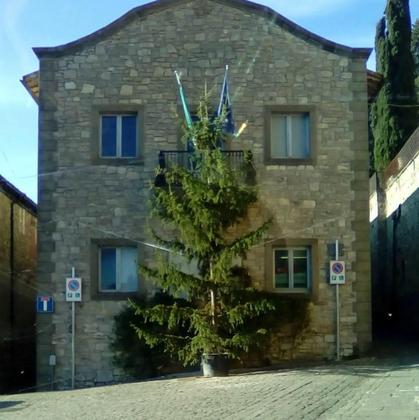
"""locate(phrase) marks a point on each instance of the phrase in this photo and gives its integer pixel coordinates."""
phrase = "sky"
(43, 23)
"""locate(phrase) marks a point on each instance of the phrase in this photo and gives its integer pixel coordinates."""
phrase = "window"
(118, 269)
(118, 135)
(290, 136)
(292, 268)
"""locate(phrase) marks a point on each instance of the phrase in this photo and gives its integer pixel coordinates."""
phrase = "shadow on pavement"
(8, 404)
(387, 355)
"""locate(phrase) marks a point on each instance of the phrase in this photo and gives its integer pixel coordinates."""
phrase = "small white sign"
(337, 272)
(73, 290)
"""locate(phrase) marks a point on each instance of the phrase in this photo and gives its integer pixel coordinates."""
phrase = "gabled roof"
(246, 5)
(16, 195)
(31, 83)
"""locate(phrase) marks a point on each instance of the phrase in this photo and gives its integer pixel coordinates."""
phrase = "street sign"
(44, 304)
(337, 272)
(73, 289)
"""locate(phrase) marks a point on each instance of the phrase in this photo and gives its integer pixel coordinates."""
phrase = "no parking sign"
(337, 272)
(73, 289)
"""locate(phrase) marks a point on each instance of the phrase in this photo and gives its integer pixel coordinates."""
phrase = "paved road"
(366, 389)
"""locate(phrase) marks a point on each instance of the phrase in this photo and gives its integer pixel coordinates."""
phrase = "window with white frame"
(118, 135)
(118, 269)
(290, 136)
(292, 268)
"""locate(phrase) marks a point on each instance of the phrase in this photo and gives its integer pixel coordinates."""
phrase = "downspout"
(12, 265)
(12, 287)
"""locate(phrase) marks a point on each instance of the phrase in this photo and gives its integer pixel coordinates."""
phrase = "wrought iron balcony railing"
(238, 160)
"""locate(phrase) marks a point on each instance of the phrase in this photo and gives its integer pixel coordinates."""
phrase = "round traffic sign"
(337, 268)
(73, 285)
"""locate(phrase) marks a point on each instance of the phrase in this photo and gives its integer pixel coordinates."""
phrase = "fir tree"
(205, 205)
(394, 113)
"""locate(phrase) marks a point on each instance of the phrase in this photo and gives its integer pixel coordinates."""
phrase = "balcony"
(239, 160)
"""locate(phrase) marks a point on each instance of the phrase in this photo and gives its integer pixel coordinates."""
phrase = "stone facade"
(17, 289)
(129, 66)
(394, 218)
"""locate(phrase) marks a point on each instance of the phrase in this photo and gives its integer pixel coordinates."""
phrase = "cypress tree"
(205, 205)
(394, 114)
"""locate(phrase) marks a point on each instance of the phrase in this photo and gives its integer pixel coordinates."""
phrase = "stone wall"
(17, 294)
(394, 218)
(83, 199)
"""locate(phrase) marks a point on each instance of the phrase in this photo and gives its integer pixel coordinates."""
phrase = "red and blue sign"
(337, 267)
(44, 304)
(73, 289)
(337, 272)
(74, 285)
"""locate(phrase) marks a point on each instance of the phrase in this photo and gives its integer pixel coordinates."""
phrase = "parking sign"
(73, 289)
(337, 272)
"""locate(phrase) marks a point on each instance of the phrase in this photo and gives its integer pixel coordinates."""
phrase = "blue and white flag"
(225, 103)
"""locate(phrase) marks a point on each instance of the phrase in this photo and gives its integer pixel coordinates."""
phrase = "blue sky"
(40, 23)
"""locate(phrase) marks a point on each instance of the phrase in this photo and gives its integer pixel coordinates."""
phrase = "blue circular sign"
(73, 285)
(337, 268)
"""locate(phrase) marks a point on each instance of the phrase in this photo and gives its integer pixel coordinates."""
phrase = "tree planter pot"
(215, 364)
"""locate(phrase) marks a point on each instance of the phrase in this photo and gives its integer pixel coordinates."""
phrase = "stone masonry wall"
(17, 295)
(81, 199)
(394, 218)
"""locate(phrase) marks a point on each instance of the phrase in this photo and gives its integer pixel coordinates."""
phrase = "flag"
(225, 104)
(188, 118)
(184, 104)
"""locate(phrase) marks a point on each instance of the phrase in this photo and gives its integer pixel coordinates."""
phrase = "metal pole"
(73, 333)
(337, 308)
(212, 299)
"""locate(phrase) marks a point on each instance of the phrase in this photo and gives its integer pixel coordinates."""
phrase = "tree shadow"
(4, 405)
(363, 367)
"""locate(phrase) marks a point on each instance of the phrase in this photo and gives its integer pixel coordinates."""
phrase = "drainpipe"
(12, 287)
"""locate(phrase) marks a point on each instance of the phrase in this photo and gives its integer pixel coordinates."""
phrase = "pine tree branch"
(171, 279)
(240, 313)
(174, 245)
(239, 247)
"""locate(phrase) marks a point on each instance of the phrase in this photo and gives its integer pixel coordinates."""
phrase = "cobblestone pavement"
(366, 389)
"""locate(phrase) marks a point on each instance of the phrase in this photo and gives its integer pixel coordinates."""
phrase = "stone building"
(394, 217)
(17, 288)
(107, 106)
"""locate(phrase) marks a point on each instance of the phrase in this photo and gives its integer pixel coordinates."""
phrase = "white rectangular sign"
(73, 289)
(337, 272)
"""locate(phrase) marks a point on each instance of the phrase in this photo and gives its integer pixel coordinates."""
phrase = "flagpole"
(220, 105)
(241, 129)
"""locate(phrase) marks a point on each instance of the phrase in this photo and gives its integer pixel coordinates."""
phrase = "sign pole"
(73, 292)
(337, 308)
(73, 333)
